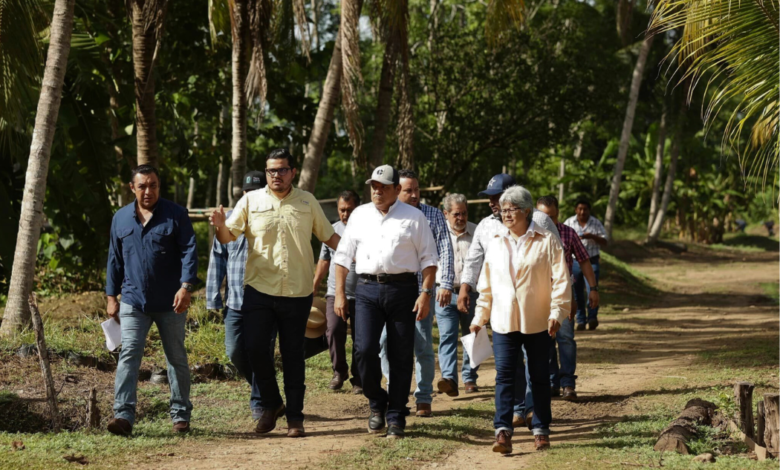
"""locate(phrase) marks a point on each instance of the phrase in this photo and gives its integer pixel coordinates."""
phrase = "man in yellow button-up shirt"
(278, 222)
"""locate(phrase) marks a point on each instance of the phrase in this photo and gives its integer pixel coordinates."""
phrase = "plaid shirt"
(441, 234)
(572, 246)
(226, 260)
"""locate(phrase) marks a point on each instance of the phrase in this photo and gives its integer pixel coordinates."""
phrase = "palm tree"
(20, 58)
(736, 44)
(625, 136)
(17, 315)
(147, 17)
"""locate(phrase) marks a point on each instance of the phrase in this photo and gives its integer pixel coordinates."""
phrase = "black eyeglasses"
(278, 171)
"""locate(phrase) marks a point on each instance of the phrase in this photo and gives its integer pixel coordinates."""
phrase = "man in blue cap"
(488, 228)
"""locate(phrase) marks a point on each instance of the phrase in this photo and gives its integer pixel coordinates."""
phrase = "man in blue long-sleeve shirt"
(153, 263)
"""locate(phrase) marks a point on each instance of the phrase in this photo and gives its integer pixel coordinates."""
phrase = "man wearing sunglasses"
(278, 222)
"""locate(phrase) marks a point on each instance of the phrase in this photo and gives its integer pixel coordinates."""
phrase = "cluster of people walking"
(392, 265)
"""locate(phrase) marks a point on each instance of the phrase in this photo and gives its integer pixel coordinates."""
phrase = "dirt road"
(700, 306)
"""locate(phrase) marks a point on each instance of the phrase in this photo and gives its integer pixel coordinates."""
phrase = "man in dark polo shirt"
(153, 263)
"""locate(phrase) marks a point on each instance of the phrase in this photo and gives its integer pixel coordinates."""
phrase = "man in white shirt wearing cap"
(390, 242)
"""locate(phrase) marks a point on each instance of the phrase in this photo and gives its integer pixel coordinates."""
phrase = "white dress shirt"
(399, 242)
(487, 230)
(593, 226)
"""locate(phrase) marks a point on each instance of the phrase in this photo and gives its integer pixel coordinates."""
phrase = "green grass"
(772, 290)
(748, 243)
(623, 286)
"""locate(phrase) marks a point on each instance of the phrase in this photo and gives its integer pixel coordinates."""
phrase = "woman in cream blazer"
(525, 293)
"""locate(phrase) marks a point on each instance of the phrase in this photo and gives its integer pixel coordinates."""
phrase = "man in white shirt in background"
(390, 242)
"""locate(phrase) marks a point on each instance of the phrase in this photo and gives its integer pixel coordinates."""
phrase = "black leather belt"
(390, 278)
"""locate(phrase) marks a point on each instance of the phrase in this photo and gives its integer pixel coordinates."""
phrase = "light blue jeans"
(563, 376)
(135, 327)
(452, 325)
(425, 361)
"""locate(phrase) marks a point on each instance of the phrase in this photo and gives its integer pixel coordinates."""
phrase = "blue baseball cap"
(498, 184)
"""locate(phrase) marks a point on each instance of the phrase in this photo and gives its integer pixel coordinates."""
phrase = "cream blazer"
(523, 300)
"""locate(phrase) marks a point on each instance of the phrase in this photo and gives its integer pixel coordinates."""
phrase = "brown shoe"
(593, 324)
(295, 429)
(471, 387)
(120, 427)
(503, 443)
(336, 382)
(357, 390)
(580, 327)
(542, 442)
(569, 394)
(424, 410)
(518, 421)
(529, 419)
(448, 386)
(181, 426)
(267, 421)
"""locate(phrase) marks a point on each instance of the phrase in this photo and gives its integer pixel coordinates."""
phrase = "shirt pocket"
(125, 239)
(261, 219)
(162, 239)
(300, 218)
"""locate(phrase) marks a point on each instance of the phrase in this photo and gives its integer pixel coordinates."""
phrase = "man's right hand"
(113, 308)
(340, 306)
(464, 302)
(217, 218)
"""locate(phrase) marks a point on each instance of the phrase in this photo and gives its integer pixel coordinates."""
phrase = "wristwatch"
(188, 287)
(427, 291)
(594, 289)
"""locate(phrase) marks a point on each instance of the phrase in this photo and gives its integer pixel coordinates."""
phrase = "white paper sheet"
(477, 346)
(113, 332)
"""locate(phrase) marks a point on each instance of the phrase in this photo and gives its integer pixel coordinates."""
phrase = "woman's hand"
(475, 328)
(553, 326)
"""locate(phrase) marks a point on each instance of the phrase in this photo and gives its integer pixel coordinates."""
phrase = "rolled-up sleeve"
(485, 299)
(115, 269)
(560, 303)
(189, 249)
(427, 252)
(347, 247)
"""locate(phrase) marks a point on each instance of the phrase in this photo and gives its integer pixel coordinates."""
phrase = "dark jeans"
(581, 289)
(524, 401)
(337, 340)
(262, 315)
(377, 305)
(235, 350)
(507, 350)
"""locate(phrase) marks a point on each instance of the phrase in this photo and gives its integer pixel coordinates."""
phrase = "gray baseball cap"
(384, 174)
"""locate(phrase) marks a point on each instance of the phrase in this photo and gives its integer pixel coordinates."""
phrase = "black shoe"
(376, 422)
(580, 327)
(395, 432)
(555, 391)
(593, 324)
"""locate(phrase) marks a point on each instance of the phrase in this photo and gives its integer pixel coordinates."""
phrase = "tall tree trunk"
(239, 63)
(659, 170)
(17, 311)
(625, 13)
(310, 168)
(145, 41)
(625, 136)
(191, 194)
(655, 231)
(561, 174)
(405, 127)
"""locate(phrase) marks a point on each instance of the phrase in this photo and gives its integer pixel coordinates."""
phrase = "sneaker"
(471, 387)
(447, 386)
(268, 417)
(518, 421)
(503, 443)
(569, 394)
(542, 442)
(120, 427)
(593, 324)
(376, 422)
(580, 327)
(336, 382)
(424, 410)
(295, 429)
(555, 391)
(181, 427)
(395, 432)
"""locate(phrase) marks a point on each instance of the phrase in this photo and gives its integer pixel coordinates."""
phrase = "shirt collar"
(468, 230)
(389, 209)
(533, 228)
(270, 193)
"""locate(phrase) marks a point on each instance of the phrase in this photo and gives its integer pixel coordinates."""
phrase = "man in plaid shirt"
(425, 367)
(573, 249)
(230, 260)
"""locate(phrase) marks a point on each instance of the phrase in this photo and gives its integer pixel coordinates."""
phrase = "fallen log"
(675, 437)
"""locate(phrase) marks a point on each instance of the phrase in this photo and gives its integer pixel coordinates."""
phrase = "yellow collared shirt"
(280, 261)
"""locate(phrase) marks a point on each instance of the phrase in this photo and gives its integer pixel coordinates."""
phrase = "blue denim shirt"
(148, 264)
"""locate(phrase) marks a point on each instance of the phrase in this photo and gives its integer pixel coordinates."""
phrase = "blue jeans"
(524, 401)
(135, 327)
(507, 350)
(235, 349)
(380, 306)
(262, 315)
(425, 361)
(452, 324)
(581, 289)
(563, 376)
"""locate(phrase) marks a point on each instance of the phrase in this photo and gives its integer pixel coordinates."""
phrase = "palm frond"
(735, 46)
(220, 20)
(503, 16)
(21, 57)
(352, 79)
(299, 7)
(260, 13)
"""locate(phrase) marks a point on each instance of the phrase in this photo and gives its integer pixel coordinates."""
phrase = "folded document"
(113, 333)
(477, 346)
